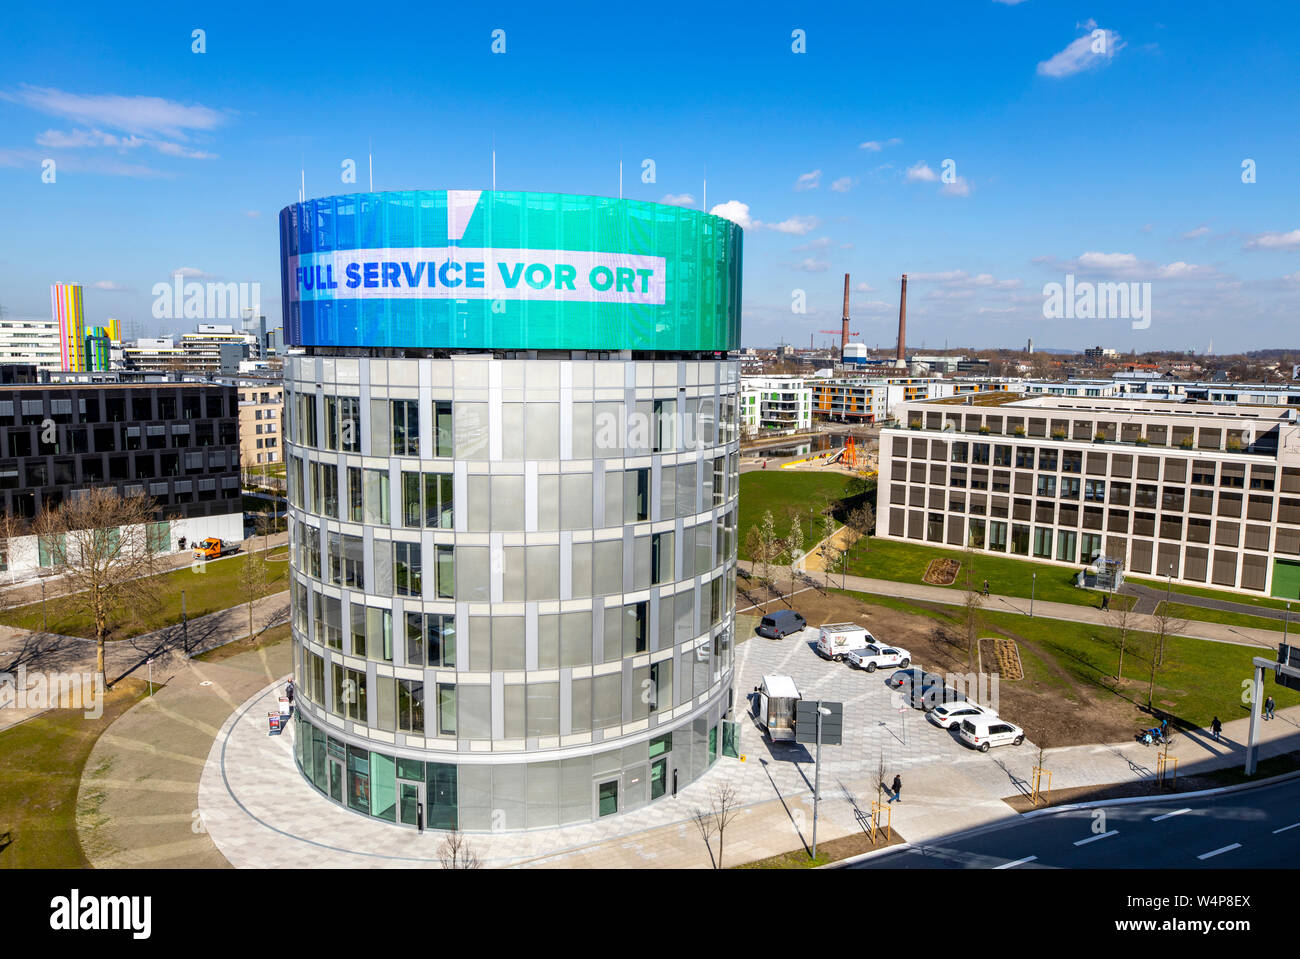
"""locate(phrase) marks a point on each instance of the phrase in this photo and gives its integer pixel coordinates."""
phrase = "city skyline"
(1077, 149)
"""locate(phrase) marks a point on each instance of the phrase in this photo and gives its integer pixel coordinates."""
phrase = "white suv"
(873, 657)
(949, 714)
(981, 732)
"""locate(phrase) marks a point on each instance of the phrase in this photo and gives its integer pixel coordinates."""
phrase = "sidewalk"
(948, 596)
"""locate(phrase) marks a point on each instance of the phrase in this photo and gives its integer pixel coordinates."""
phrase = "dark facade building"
(177, 443)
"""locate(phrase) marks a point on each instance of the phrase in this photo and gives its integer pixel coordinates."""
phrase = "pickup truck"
(212, 548)
(873, 657)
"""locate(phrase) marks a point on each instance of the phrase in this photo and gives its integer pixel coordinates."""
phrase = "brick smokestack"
(844, 335)
(902, 324)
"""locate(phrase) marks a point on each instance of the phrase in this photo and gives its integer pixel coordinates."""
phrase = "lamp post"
(1033, 588)
(45, 622)
(1286, 626)
(817, 780)
(185, 626)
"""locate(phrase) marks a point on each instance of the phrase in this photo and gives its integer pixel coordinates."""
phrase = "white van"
(981, 732)
(834, 640)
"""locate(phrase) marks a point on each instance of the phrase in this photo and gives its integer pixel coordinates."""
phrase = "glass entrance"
(336, 779)
(658, 777)
(410, 801)
(607, 798)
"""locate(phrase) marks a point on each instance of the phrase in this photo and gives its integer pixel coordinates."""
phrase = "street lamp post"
(1286, 626)
(185, 626)
(45, 621)
(1033, 588)
(817, 781)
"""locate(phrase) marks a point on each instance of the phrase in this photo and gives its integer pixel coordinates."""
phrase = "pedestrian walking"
(897, 787)
(1268, 708)
(288, 691)
(1105, 601)
(986, 587)
(1216, 727)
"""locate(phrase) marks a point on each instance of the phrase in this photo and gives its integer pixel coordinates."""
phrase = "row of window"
(498, 502)
(1150, 434)
(528, 430)
(138, 406)
(498, 643)
(463, 711)
(56, 440)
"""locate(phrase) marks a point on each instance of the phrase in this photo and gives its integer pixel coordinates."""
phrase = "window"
(440, 639)
(1046, 485)
(443, 435)
(446, 709)
(407, 569)
(446, 572)
(406, 427)
(410, 706)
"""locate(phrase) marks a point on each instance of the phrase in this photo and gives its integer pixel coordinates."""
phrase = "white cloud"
(797, 225)
(958, 187)
(191, 273)
(921, 173)
(1179, 270)
(1084, 53)
(865, 288)
(1199, 231)
(817, 243)
(110, 286)
(252, 214)
(875, 146)
(843, 185)
(735, 211)
(134, 114)
(808, 181)
(1108, 262)
(1274, 241)
(678, 199)
(812, 265)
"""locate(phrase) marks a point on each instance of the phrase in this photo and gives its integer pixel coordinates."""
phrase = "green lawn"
(906, 563)
(1184, 611)
(208, 587)
(41, 762)
(782, 490)
(1201, 678)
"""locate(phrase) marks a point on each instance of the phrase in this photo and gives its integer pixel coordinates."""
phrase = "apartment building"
(261, 406)
(1203, 495)
(775, 403)
(860, 399)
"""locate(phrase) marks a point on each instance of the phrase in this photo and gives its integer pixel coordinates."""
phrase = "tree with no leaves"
(1166, 625)
(11, 527)
(455, 852)
(971, 603)
(265, 523)
(1121, 618)
(99, 545)
(862, 520)
(254, 583)
(724, 806)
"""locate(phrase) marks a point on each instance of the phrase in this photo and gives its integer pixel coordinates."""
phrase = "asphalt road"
(1250, 829)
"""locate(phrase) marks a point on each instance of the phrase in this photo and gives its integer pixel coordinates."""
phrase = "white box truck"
(834, 640)
(776, 707)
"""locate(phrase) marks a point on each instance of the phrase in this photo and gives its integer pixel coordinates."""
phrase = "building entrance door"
(336, 779)
(410, 803)
(606, 797)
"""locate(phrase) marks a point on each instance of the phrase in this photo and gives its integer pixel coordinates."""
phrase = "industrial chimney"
(844, 336)
(902, 325)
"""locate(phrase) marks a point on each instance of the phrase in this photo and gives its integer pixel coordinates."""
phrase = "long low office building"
(1205, 494)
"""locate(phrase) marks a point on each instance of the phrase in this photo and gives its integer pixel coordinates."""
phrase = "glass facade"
(523, 615)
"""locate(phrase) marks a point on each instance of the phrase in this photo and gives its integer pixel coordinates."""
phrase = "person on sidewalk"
(897, 787)
(986, 587)
(1268, 708)
(1216, 727)
(288, 692)
(1105, 601)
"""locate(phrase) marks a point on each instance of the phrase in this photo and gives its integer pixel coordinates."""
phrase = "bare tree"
(455, 852)
(725, 806)
(971, 603)
(1121, 617)
(11, 527)
(703, 819)
(831, 556)
(1166, 625)
(99, 544)
(862, 520)
(265, 523)
(254, 583)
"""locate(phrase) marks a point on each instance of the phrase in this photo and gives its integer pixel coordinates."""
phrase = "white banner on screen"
(478, 274)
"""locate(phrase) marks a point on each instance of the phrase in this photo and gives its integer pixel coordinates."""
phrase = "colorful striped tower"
(65, 304)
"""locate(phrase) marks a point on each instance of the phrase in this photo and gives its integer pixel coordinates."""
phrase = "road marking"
(1207, 855)
(1084, 842)
(1176, 812)
(1285, 828)
(1018, 862)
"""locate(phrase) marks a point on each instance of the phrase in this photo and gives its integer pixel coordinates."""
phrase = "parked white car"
(947, 714)
(875, 656)
(985, 731)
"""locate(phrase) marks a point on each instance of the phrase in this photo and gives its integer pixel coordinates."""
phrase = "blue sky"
(1124, 165)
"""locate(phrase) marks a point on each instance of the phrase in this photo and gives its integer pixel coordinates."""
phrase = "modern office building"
(34, 342)
(775, 403)
(65, 307)
(1198, 494)
(176, 443)
(512, 450)
(261, 415)
(872, 399)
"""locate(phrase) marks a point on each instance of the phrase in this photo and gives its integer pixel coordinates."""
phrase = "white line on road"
(1215, 852)
(1084, 842)
(1018, 862)
(1285, 828)
(1176, 812)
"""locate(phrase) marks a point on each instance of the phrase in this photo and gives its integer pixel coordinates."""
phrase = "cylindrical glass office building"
(511, 439)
